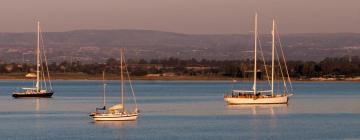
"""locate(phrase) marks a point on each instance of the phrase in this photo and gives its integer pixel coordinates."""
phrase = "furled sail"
(116, 107)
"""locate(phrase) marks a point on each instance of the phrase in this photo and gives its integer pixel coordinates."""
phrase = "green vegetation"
(173, 68)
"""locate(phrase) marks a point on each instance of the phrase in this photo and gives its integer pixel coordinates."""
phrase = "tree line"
(347, 66)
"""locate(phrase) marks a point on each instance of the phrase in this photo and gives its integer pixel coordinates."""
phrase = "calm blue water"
(185, 110)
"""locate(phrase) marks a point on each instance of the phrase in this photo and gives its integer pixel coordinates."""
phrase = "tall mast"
(273, 57)
(255, 48)
(38, 58)
(104, 96)
(122, 77)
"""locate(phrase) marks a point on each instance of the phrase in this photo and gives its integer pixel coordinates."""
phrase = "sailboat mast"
(38, 58)
(122, 76)
(104, 96)
(255, 49)
(273, 58)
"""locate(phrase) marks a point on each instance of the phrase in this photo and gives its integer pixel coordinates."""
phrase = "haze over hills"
(99, 45)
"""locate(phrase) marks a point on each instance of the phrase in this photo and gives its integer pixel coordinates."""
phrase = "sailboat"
(43, 87)
(256, 96)
(118, 111)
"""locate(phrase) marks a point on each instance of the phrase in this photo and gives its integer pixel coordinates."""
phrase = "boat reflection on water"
(115, 124)
(30, 104)
(37, 104)
(258, 116)
(258, 109)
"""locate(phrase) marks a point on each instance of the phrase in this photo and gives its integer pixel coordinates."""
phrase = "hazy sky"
(184, 16)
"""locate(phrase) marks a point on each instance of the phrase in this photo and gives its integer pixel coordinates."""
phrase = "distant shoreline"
(78, 76)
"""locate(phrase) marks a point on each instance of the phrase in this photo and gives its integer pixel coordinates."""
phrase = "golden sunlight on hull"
(115, 117)
(280, 99)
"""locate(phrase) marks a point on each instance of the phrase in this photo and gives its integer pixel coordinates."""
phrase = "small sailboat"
(43, 87)
(118, 112)
(256, 96)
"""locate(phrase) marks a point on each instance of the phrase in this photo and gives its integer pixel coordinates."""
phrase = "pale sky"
(183, 16)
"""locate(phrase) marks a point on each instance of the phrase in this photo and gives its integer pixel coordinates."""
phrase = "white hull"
(115, 117)
(262, 100)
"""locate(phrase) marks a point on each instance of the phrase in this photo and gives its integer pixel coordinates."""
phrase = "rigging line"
(122, 78)
(281, 70)
(46, 63)
(41, 64)
(41, 77)
(286, 68)
(130, 83)
(265, 66)
(43, 85)
(280, 67)
(131, 87)
(104, 89)
(278, 83)
(42, 74)
(35, 64)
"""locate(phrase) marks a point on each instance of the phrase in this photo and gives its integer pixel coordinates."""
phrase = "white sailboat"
(256, 96)
(118, 112)
(43, 87)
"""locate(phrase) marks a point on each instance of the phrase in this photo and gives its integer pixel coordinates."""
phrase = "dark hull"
(41, 95)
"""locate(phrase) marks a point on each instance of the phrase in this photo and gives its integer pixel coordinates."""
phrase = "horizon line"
(154, 30)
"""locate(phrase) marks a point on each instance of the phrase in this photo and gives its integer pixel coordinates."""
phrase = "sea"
(181, 110)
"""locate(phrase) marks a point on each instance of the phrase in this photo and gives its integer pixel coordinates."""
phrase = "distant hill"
(98, 45)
